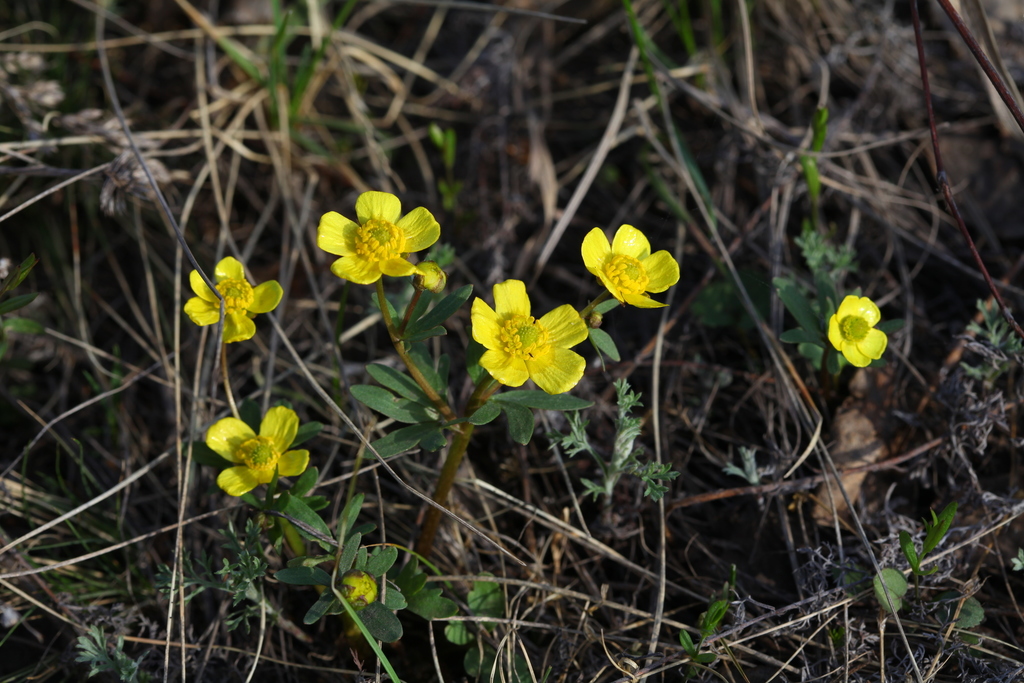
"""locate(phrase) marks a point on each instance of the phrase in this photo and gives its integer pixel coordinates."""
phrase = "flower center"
(627, 273)
(259, 454)
(522, 337)
(854, 328)
(237, 295)
(379, 240)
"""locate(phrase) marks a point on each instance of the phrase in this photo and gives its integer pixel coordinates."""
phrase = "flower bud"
(594, 319)
(359, 588)
(430, 277)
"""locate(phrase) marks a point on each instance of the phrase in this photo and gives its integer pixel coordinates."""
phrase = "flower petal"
(595, 250)
(420, 228)
(510, 299)
(236, 481)
(564, 326)
(486, 328)
(229, 268)
(631, 242)
(854, 355)
(238, 327)
(873, 345)
(266, 297)
(202, 312)
(642, 301)
(356, 269)
(397, 267)
(558, 371)
(612, 288)
(862, 307)
(507, 369)
(834, 335)
(381, 205)
(293, 463)
(200, 287)
(225, 436)
(662, 270)
(280, 425)
(336, 234)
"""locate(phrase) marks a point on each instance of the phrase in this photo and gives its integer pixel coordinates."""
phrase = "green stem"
(408, 311)
(602, 297)
(410, 365)
(227, 382)
(463, 433)
(825, 376)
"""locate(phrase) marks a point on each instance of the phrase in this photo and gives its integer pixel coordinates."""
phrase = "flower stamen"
(523, 337)
(379, 240)
(238, 295)
(259, 454)
(854, 328)
(627, 273)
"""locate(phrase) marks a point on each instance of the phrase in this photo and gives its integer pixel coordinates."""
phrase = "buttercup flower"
(851, 331)
(627, 267)
(242, 301)
(376, 244)
(257, 456)
(520, 347)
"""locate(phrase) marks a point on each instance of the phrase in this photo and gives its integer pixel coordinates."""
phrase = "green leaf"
(310, 560)
(306, 432)
(833, 362)
(383, 401)
(971, 614)
(381, 622)
(204, 455)
(797, 304)
(349, 515)
(485, 413)
(799, 335)
(20, 273)
(410, 580)
(349, 552)
(890, 326)
(896, 584)
(474, 350)
(449, 148)
(486, 599)
(403, 439)
(436, 134)
(324, 605)
(303, 576)
(433, 441)
(305, 483)
(297, 509)
(828, 300)
(938, 527)
(687, 642)
(382, 560)
(421, 357)
(444, 309)
(480, 665)
(713, 617)
(16, 302)
(422, 335)
(520, 422)
(422, 304)
(606, 306)
(457, 633)
(249, 411)
(537, 398)
(910, 552)
(820, 126)
(394, 598)
(23, 326)
(398, 382)
(603, 342)
(426, 602)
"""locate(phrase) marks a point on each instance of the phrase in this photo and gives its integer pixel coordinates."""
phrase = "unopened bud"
(430, 277)
(359, 588)
(594, 319)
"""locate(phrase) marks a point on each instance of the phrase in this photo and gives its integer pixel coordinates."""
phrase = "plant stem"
(410, 365)
(463, 433)
(603, 296)
(408, 310)
(227, 382)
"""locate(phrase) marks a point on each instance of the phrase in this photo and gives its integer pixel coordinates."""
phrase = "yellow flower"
(520, 347)
(375, 244)
(627, 267)
(851, 330)
(242, 301)
(257, 456)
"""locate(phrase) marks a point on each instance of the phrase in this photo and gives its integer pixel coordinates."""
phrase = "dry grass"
(559, 130)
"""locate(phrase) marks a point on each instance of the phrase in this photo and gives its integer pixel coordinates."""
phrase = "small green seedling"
(810, 163)
(707, 625)
(10, 304)
(935, 530)
(890, 587)
(445, 142)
